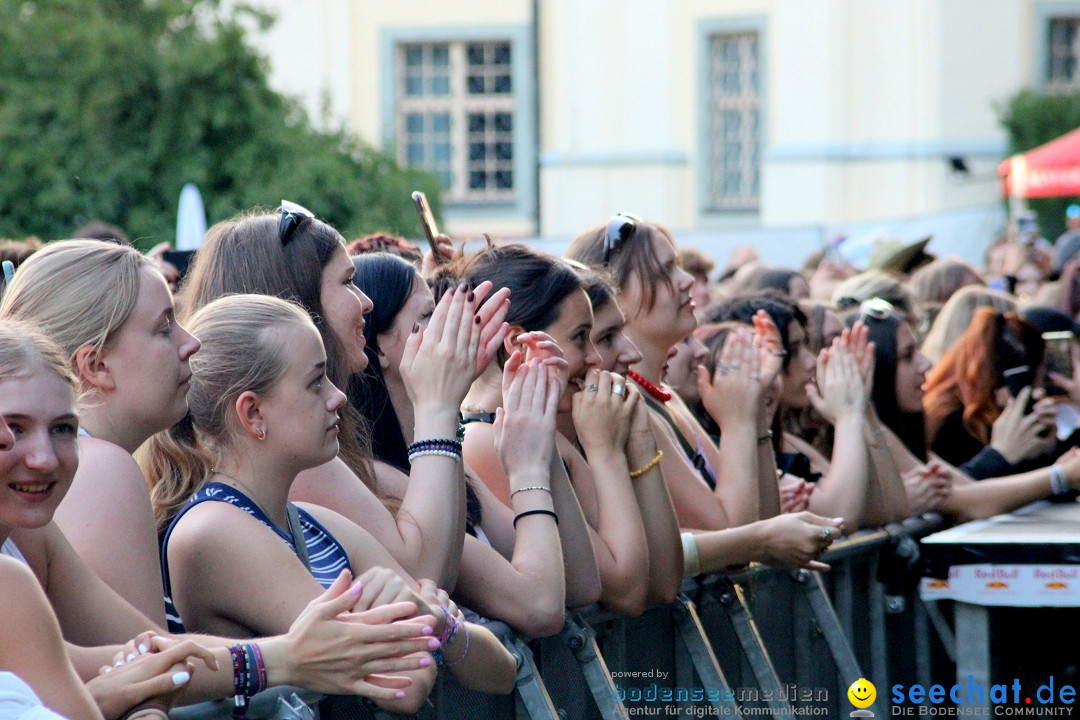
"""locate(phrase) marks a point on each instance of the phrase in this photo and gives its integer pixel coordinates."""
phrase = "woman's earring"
(262, 433)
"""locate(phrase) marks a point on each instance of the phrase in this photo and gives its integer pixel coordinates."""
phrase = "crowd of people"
(329, 465)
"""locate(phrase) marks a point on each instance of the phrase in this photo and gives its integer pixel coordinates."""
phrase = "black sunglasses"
(619, 229)
(291, 217)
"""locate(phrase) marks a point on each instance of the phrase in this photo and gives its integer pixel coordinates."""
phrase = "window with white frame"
(1063, 50)
(455, 115)
(734, 119)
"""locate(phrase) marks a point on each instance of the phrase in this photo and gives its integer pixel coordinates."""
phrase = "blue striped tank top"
(326, 557)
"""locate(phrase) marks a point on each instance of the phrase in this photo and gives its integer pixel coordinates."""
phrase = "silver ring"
(826, 534)
(755, 376)
(618, 390)
(592, 387)
(734, 366)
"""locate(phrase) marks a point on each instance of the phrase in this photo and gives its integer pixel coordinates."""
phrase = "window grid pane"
(1063, 51)
(734, 127)
(456, 116)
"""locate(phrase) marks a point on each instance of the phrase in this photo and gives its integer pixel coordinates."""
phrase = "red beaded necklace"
(658, 393)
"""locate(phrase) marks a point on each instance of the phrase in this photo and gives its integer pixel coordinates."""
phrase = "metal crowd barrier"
(761, 642)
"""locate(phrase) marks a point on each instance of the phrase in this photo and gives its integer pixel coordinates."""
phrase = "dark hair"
(599, 287)
(538, 283)
(909, 427)
(98, 230)
(388, 280)
(634, 256)
(245, 255)
(783, 310)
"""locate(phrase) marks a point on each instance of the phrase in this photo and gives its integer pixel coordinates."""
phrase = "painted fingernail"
(415, 328)
(399, 694)
(426, 630)
(107, 669)
(424, 662)
(471, 296)
(358, 587)
(477, 318)
(143, 649)
(433, 644)
(463, 287)
(118, 663)
(181, 678)
(130, 657)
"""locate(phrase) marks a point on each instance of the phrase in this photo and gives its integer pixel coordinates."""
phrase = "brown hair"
(634, 256)
(245, 255)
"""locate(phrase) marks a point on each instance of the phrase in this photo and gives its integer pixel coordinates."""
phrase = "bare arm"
(107, 483)
(31, 645)
(657, 512)
(602, 420)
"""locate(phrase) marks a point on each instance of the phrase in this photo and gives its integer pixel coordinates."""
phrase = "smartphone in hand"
(427, 221)
(1058, 358)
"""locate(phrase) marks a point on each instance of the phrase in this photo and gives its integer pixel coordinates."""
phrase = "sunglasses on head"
(619, 229)
(291, 217)
(878, 309)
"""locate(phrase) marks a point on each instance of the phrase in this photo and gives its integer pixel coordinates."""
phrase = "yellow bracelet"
(648, 466)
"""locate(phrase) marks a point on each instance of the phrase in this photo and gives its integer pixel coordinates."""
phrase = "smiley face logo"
(862, 693)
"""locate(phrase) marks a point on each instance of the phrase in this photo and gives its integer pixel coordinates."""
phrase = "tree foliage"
(1031, 119)
(107, 107)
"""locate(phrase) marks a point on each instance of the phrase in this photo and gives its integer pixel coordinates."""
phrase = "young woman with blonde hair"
(238, 557)
(38, 460)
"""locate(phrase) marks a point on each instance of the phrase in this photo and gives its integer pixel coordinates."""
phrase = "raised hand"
(525, 424)
(542, 347)
(439, 362)
(839, 389)
(770, 347)
(733, 393)
(1020, 435)
(603, 411)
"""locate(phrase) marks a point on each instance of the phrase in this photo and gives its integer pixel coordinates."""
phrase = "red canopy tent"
(1050, 170)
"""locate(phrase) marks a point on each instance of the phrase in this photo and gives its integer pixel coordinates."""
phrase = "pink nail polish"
(357, 588)
(427, 630)
(433, 644)
(399, 694)
(424, 662)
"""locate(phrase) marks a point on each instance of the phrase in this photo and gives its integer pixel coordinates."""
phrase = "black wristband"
(536, 512)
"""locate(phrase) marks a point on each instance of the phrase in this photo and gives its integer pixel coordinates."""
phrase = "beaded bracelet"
(648, 466)
(440, 453)
(536, 512)
(442, 447)
(531, 487)
(439, 443)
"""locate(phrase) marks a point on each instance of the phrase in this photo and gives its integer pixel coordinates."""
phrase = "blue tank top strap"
(326, 557)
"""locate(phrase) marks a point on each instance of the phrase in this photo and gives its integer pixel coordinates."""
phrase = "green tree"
(107, 107)
(1031, 119)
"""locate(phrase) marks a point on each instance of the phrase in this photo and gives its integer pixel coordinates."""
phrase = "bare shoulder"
(106, 473)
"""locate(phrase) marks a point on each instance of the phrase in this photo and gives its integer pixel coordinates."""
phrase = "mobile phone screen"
(1058, 358)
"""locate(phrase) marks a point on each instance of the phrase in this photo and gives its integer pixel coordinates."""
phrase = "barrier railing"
(762, 642)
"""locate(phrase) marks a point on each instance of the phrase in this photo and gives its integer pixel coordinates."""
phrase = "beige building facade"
(727, 120)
